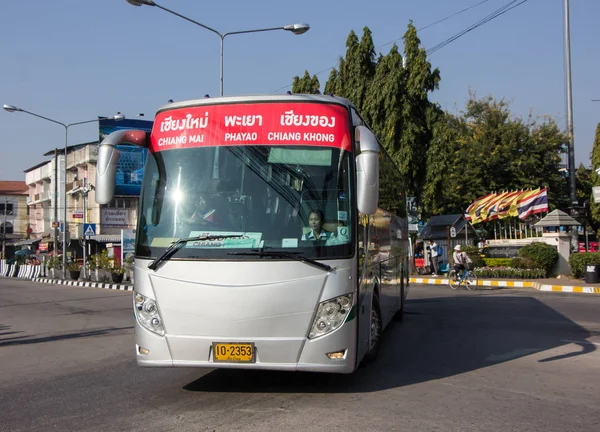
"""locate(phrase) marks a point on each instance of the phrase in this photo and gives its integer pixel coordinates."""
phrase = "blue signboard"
(132, 159)
(89, 229)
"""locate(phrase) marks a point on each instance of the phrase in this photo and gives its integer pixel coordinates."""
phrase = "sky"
(74, 60)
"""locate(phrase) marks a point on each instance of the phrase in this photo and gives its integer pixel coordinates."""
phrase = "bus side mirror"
(367, 171)
(108, 157)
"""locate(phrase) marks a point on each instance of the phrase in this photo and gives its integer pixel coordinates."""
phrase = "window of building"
(9, 208)
(123, 202)
(8, 227)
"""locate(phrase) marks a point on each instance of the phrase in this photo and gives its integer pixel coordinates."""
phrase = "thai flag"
(479, 215)
(470, 212)
(506, 203)
(536, 203)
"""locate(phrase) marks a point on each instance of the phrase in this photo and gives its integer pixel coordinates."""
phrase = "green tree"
(583, 180)
(397, 107)
(484, 150)
(446, 190)
(595, 178)
(306, 84)
(411, 142)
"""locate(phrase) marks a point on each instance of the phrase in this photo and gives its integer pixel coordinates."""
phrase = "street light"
(297, 29)
(117, 117)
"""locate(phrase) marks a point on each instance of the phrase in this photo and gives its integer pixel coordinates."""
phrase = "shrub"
(498, 262)
(523, 263)
(578, 261)
(542, 254)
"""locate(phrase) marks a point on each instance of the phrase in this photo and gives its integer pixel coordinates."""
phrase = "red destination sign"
(313, 124)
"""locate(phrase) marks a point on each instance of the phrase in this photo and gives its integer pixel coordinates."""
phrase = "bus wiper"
(179, 243)
(285, 254)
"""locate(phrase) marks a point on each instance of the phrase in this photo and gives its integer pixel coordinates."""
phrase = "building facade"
(14, 216)
(45, 185)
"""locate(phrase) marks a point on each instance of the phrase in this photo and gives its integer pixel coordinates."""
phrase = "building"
(14, 216)
(42, 195)
(45, 185)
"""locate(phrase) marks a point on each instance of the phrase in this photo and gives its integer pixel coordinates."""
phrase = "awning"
(107, 238)
(25, 242)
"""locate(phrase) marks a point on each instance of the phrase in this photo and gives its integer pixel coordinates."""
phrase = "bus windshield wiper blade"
(285, 254)
(179, 243)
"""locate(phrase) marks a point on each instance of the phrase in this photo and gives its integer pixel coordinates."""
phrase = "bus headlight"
(146, 312)
(331, 314)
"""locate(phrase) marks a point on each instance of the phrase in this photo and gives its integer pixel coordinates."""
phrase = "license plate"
(233, 352)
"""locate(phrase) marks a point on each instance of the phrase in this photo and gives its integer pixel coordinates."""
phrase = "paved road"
(506, 360)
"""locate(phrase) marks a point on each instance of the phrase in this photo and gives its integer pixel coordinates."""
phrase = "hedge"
(498, 262)
(542, 254)
(578, 261)
(510, 273)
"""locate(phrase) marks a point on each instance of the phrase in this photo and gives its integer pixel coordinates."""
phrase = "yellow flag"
(514, 209)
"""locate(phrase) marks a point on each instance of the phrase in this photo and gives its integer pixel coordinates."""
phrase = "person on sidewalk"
(433, 249)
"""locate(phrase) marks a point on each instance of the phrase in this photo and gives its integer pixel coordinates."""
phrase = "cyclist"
(461, 259)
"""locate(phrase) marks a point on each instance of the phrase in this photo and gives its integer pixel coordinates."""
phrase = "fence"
(23, 271)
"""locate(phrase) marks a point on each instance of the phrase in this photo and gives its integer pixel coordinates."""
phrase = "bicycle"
(468, 277)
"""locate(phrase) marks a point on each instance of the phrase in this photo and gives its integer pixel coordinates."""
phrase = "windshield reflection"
(294, 198)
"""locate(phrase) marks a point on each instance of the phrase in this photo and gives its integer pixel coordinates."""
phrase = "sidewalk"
(553, 285)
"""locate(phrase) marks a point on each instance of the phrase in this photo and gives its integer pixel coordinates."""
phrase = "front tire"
(399, 315)
(471, 281)
(376, 324)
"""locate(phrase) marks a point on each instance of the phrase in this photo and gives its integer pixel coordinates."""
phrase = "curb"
(569, 289)
(514, 284)
(120, 287)
(482, 283)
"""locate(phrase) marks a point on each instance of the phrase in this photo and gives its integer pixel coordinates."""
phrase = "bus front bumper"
(287, 354)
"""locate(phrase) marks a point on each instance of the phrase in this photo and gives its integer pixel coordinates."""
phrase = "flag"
(507, 203)
(470, 212)
(490, 208)
(477, 213)
(536, 203)
(495, 211)
(513, 210)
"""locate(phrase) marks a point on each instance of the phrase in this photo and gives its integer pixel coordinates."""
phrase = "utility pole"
(572, 177)
(4, 228)
(572, 185)
(54, 227)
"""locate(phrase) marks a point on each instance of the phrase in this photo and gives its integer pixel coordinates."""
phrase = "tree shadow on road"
(27, 340)
(440, 337)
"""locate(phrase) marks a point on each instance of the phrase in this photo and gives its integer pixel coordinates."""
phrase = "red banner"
(311, 124)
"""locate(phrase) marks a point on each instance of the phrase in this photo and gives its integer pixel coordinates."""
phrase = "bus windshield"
(292, 196)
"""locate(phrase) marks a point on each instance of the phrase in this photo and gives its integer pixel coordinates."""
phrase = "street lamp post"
(12, 108)
(297, 29)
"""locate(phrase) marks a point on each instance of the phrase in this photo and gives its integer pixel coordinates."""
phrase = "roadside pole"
(4, 228)
(54, 226)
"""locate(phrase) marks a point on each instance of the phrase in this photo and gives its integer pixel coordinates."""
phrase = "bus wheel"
(399, 315)
(376, 328)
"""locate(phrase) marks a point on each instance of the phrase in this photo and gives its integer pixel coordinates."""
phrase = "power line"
(395, 40)
(498, 12)
(440, 21)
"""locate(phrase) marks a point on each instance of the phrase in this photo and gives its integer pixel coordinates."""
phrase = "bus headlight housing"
(146, 312)
(331, 314)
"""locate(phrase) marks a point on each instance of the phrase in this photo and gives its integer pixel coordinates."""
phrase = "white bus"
(272, 234)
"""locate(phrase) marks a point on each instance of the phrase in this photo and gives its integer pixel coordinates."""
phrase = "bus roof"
(257, 98)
